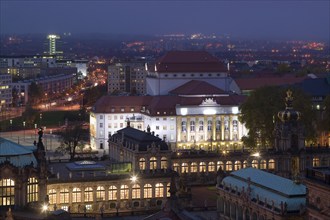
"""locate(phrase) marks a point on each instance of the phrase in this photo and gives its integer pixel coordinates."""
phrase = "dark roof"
(141, 138)
(189, 61)
(315, 87)
(255, 83)
(197, 87)
(158, 105)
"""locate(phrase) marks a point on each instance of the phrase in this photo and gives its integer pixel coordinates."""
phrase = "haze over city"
(284, 20)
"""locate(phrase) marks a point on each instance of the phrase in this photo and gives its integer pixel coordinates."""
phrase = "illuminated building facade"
(5, 91)
(127, 77)
(23, 174)
(53, 43)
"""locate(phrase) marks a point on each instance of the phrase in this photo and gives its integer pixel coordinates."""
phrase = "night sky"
(278, 19)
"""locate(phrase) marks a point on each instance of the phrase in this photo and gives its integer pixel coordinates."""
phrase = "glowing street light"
(134, 178)
(24, 130)
(44, 207)
(11, 128)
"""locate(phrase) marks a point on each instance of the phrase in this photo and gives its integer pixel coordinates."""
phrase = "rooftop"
(189, 61)
(197, 87)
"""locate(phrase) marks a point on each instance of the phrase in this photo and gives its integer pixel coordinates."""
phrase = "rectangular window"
(157, 119)
(101, 125)
(172, 127)
(121, 125)
(157, 127)
(101, 116)
(164, 127)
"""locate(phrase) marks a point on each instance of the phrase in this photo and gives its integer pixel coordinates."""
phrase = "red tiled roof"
(197, 87)
(255, 83)
(189, 61)
(157, 105)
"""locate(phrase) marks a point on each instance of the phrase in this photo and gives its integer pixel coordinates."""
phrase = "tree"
(259, 113)
(30, 114)
(325, 119)
(36, 93)
(72, 136)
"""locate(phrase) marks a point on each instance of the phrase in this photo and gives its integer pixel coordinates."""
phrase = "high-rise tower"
(53, 45)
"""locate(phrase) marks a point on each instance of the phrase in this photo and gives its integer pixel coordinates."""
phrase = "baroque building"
(23, 175)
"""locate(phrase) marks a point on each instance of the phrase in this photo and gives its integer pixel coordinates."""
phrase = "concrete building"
(127, 77)
(5, 91)
(179, 67)
(53, 45)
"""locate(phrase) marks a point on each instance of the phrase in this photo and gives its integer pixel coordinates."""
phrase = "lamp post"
(11, 128)
(40, 117)
(24, 130)
(35, 132)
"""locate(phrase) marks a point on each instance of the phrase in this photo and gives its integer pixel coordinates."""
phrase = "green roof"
(16, 154)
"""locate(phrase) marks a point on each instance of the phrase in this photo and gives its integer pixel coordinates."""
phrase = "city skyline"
(306, 20)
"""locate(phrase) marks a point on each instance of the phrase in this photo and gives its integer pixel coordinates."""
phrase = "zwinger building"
(192, 104)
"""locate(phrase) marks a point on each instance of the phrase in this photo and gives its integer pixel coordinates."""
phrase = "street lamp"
(255, 155)
(11, 128)
(35, 132)
(40, 117)
(24, 130)
(134, 178)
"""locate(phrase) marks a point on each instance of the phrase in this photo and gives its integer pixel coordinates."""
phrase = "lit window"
(147, 191)
(184, 168)
(192, 126)
(271, 164)
(124, 192)
(168, 194)
(211, 167)
(255, 164)
(184, 126)
(176, 167)
(153, 163)
(52, 196)
(229, 166)
(112, 193)
(202, 167)
(7, 192)
(76, 195)
(263, 164)
(136, 191)
(163, 163)
(220, 164)
(201, 125)
(237, 165)
(88, 194)
(100, 193)
(142, 164)
(193, 167)
(159, 190)
(64, 195)
(32, 190)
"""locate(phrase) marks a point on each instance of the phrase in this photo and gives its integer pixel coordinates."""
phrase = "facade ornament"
(209, 102)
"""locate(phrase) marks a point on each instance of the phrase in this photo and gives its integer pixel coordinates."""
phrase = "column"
(214, 131)
(222, 127)
(188, 128)
(230, 127)
(205, 128)
(178, 128)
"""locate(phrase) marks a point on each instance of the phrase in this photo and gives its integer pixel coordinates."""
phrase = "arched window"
(52, 196)
(32, 189)
(64, 195)
(100, 193)
(209, 125)
(184, 168)
(245, 163)
(147, 191)
(237, 165)
(316, 162)
(76, 195)
(124, 192)
(229, 166)
(255, 164)
(211, 167)
(201, 126)
(202, 167)
(193, 167)
(192, 125)
(136, 191)
(263, 164)
(176, 167)
(88, 194)
(183, 126)
(142, 164)
(220, 164)
(168, 186)
(271, 164)
(112, 193)
(7, 192)
(218, 125)
(159, 190)
(153, 163)
(163, 163)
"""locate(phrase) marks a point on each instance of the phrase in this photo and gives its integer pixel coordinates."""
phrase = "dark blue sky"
(278, 19)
